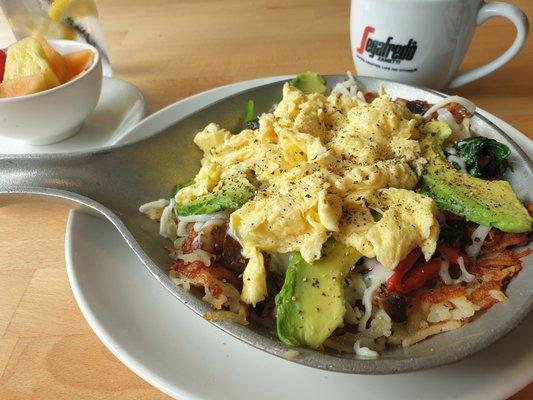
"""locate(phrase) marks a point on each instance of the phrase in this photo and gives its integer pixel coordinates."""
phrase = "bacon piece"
(187, 246)
(458, 111)
(200, 275)
(370, 96)
(211, 239)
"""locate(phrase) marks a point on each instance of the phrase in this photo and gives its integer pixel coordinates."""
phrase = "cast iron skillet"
(113, 182)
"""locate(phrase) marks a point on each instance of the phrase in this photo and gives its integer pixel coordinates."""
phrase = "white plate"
(187, 357)
(120, 107)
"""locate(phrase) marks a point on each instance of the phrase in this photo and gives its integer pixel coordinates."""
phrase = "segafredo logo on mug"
(387, 51)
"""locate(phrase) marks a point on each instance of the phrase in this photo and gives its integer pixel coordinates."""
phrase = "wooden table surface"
(170, 50)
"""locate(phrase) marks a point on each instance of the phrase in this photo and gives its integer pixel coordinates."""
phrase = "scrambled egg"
(326, 166)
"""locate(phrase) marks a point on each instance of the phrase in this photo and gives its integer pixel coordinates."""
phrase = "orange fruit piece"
(77, 62)
(56, 60)
(23, 85)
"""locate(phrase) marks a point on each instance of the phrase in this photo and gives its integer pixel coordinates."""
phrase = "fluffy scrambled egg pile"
(325, 166)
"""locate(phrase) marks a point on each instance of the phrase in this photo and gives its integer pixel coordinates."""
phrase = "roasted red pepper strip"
(395, 281)
(452, 254)
(419, 275)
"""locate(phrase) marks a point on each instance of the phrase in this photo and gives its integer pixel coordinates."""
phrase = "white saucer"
(186, 357)
(120, 107)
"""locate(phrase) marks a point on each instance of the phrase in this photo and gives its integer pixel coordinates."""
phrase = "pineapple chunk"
(27, 57)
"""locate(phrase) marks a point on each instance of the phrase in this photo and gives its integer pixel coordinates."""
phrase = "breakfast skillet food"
(347, 220)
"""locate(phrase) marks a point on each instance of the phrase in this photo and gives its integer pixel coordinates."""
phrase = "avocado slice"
(489, 203)
(310, 305)
(230, 194)
(309, 82)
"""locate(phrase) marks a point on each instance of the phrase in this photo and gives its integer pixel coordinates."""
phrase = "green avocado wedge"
(229, 194)
(310, 305)
(489, 203)
(309, 82)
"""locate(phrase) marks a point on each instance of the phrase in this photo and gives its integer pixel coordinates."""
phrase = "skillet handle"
(36, 173)
(67, 177)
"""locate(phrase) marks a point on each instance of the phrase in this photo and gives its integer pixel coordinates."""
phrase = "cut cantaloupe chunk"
(26, 58)
(77, 62)
(23, 85)
(56, 60)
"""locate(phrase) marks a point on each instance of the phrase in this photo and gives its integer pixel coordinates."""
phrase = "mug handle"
(518, 18)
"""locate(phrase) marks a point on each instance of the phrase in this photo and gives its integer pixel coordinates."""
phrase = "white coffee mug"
(422, 42)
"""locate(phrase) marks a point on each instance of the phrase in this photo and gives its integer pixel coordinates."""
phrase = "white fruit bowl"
(54, 114)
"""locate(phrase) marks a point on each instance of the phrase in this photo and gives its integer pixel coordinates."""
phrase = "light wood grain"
(170, 50)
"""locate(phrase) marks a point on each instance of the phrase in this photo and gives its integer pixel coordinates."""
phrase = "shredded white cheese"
(340, 89)
(154, 209)
(478, 238)
(167, 224)
(460, 131)
(364, 352)
(347, 88)
(459, 161)
(203, 217)
(444, 273)
(199, 221)
(465, 275)
(351, 78)
(198, 225)
(377, 275)
(201, 226)
(471, 107)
